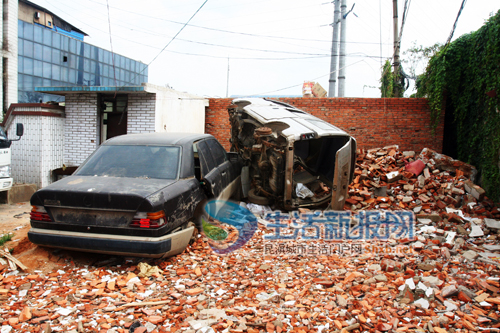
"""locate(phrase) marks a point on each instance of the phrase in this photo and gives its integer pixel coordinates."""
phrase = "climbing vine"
(465, 75)
(388, 81)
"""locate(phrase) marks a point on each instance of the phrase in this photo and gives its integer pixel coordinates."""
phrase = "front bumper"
(153, 247)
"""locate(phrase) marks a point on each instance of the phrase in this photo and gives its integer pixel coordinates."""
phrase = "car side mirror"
(19, 129)
(19, 132)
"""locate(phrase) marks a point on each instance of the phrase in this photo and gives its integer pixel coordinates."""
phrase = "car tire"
(257, 199)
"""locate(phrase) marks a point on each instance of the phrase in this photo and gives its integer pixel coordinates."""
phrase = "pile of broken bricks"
(450, 282)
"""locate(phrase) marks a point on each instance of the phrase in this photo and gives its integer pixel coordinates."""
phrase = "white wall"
(141, 113)
(177, 111)
(80, 129)
(40, 149)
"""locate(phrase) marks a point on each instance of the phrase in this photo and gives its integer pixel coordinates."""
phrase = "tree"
(417, 57)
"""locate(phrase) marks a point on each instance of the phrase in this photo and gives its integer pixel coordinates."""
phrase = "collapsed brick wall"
(374, 122)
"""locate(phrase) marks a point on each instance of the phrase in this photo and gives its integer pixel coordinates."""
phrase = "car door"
(341, 177)
(222, 162)
(210, 173)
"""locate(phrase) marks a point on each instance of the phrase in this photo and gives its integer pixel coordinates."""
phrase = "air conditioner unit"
(37, 15)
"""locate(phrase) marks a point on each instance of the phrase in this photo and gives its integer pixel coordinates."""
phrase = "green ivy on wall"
(465, 74)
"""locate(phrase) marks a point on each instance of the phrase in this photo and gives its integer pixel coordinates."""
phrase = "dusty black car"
(135, 195)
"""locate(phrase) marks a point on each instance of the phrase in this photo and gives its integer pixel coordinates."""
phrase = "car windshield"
(161, 162)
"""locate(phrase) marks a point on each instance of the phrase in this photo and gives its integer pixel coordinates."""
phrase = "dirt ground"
(14, 219)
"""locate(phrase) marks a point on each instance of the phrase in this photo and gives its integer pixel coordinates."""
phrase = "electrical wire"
(297, 85)
(173, 38)
(233, 32)
(403, 21)
(246, 58)
(111, 45)
(456, 20)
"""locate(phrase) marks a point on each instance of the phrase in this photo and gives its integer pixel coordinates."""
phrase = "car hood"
(90, 192)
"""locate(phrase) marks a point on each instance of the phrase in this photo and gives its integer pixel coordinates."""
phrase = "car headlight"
(5, 171)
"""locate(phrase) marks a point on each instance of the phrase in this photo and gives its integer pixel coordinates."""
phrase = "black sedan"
(137, 194)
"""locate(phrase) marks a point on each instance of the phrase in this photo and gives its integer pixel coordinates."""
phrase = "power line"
(297, 85)
(196, 12)
(246, 58)
(111, 45)
(232, 32)
(403, 21)
(250, 49)
(456, 20)
(224, 46)
(355, 55)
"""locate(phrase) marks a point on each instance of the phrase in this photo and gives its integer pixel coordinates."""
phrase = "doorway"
(113, 114)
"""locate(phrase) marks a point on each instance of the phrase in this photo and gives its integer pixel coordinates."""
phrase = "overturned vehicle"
(292, 159)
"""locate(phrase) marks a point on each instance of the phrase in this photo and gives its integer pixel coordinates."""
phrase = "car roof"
(157, 138)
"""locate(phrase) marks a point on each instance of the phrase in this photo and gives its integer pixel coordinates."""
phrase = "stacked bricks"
(374, 122)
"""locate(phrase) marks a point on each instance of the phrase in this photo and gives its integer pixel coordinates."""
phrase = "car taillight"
(38, 213)
(149, 220)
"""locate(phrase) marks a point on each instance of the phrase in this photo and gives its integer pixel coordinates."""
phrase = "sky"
(263, 47)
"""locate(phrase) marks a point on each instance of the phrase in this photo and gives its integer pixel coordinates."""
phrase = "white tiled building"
(56, 136)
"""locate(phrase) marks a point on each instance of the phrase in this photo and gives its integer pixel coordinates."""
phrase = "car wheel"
(257, 199)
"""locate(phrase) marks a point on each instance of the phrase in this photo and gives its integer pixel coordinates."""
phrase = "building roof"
(64, 22)
(90, 89)
(144, 88)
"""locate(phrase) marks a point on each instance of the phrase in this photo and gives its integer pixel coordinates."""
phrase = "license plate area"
(91, 217)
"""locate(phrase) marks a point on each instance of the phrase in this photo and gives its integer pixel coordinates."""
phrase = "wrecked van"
(292, 159)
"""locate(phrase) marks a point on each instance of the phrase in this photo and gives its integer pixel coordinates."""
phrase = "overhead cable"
(456, 20)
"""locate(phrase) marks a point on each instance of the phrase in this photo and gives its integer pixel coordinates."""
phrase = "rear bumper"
(154, 247)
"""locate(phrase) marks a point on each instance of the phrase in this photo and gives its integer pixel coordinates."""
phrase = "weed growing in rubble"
(464, 77)
(5, 238)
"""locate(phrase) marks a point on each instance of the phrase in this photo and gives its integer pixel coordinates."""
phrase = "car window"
(160, 162)
(206, 161)
(218, 153)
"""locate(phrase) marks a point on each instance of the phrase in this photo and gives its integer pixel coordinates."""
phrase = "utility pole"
(396, 49)
(343, 10)
(335, 49)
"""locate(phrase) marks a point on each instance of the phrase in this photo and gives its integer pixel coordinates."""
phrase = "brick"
(368, 116)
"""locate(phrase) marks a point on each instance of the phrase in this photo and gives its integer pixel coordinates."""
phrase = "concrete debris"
(492, 224)
(147, 270)
(476, 231)
(446, 280)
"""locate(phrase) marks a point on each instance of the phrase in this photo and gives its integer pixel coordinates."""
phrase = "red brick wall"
(374, 122)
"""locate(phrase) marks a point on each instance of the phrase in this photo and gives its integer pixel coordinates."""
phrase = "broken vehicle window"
(160, 162)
